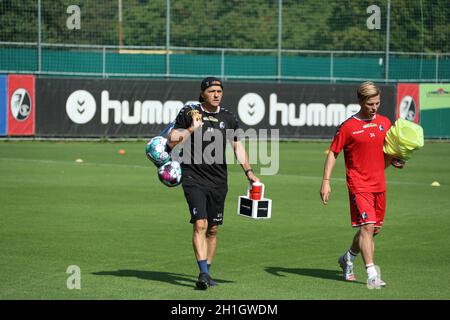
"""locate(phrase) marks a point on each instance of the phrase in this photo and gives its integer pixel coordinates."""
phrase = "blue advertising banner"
(3, 104)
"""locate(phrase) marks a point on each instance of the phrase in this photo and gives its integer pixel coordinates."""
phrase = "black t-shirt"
(203, 154)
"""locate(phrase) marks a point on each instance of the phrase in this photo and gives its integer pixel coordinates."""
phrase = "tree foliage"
(417, 26)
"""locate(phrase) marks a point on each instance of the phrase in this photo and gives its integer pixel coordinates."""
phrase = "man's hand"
(197, 121)
(325, 191)
(398, 163)
(251, 177)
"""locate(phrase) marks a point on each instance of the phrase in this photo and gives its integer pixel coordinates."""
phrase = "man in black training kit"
(205, 170)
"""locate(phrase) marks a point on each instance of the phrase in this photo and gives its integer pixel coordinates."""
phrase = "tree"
(18, 20)
(251, 24)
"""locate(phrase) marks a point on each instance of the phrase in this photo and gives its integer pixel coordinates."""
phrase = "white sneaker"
(347, 268)
(374, 283)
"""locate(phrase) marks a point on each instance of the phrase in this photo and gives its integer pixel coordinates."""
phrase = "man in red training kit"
(362, 139)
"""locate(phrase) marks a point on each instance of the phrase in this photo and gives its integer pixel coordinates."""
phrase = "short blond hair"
(367, 90)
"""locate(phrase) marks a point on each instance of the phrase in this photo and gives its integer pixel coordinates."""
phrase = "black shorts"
(206, 203)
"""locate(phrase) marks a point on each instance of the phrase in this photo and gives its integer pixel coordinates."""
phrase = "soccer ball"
(170, 173)
(156, 151)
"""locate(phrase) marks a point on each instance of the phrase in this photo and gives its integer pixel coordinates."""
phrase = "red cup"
(256, 190)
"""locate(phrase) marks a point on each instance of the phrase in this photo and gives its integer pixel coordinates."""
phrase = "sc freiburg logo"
(20, 104)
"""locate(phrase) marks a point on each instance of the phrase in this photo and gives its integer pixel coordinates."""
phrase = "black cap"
(209, 82)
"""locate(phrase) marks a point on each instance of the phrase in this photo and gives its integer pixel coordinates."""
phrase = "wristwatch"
(247, 171)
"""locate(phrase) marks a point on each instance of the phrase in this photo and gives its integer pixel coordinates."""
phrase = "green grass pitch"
(131, 239)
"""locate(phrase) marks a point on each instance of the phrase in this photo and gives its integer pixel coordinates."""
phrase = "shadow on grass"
(315, 273)
(168, 277)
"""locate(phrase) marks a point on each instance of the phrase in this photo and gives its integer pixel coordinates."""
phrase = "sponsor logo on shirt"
(357, 132)
(369, 125)
(210, 118)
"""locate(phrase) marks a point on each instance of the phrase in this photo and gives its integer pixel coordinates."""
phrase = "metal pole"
(120, 24)
(39, 38)
(167, 38)
(280, 30)
(331, 66)
(222, 65)
(104, 63)
(388, 31)
(421, 38)
(437, 67)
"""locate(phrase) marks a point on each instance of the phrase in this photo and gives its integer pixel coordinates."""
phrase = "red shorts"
(367, 208)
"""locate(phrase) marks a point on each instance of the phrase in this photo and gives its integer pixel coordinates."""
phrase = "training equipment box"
(256, 209)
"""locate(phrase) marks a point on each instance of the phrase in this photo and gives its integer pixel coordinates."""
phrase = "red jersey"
(362, 141)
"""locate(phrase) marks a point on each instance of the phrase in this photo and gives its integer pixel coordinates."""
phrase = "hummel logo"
(81, 107)
(80, 104)
(251, 110)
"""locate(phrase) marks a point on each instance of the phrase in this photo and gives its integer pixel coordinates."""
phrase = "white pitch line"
(73, 163)
(151, 165)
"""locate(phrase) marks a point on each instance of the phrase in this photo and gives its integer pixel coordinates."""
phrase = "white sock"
(371, 271)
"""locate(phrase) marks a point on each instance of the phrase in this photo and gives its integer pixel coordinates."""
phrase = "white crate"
(255, 209)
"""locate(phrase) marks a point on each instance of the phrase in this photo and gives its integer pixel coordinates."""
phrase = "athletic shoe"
(211, 282)
(374, 282)
(382, 283)
(203, 281)
(347, 268)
